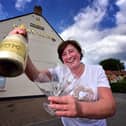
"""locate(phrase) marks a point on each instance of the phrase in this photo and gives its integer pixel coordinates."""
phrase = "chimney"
(38, 10)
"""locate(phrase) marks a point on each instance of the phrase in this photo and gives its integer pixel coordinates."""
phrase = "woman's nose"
(68, 55)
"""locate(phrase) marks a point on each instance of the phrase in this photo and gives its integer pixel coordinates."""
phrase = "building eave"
(34, 14)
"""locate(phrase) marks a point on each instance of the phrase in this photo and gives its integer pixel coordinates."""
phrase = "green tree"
(112, 64)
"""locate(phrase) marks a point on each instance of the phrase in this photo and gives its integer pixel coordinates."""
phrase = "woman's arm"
(31, 71)
(34, 74)
(71, 107)
(104, 107)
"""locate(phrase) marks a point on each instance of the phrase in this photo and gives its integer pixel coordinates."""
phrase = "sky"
(98, 25)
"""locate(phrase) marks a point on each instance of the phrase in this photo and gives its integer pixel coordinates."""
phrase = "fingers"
(63, 105)
(63, 113)
(60, 109)
(58, 100)
(19, 31)
(59, 104)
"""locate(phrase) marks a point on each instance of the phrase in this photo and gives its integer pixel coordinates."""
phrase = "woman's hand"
(69, 106)
(64, 105)
(20, 31)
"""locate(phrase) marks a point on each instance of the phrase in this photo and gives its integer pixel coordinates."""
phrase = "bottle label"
(14, 46)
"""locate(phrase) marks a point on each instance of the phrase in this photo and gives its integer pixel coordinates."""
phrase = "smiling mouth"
(72, 60)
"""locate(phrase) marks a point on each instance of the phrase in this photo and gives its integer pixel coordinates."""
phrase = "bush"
(119, 87)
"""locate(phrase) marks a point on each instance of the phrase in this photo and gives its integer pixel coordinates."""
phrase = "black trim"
(21, 97)
(34, 14)
(15, 17)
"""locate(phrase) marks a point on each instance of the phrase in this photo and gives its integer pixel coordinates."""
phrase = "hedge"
(118, 87)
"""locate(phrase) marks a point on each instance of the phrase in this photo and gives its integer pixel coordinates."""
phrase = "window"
(2, 83)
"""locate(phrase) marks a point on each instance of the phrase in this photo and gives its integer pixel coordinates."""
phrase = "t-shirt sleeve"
(102, 78)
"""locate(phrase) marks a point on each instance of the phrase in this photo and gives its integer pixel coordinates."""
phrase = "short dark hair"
(64, 44)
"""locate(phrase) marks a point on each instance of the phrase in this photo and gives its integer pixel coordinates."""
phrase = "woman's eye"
(70, 51)
(64, 54)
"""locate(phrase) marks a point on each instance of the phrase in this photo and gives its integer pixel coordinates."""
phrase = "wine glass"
(63, 87)
(56, 90)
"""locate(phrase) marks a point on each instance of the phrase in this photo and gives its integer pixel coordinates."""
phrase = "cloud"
(3, 13)
(110, 46)
(121, 15)
(20, 4)
(99, 44)
(86, 23)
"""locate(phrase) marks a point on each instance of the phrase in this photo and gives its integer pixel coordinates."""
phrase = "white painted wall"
(42, 49)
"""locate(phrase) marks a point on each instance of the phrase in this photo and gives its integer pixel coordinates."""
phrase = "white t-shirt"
(84, 88)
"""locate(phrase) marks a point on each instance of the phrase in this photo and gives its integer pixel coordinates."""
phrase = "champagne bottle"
(13, 54)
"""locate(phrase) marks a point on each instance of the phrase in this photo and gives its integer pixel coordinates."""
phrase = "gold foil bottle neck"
(22, 26)
(13, 54)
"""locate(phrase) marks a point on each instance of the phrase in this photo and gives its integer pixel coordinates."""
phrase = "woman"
(88, 99)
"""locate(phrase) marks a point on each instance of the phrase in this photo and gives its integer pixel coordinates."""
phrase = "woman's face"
(71, 56)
